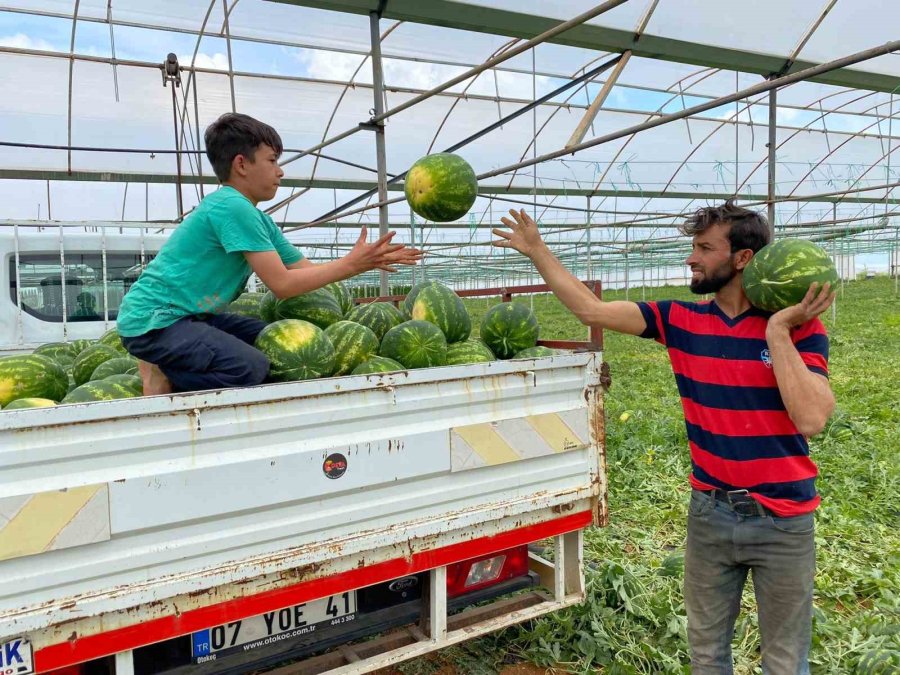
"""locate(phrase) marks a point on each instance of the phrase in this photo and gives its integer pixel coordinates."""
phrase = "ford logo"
(403, 584)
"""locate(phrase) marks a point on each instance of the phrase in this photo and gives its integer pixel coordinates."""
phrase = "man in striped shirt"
(754, 387)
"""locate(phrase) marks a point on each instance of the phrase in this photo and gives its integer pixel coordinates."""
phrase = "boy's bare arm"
(620, 316)
(286, 282)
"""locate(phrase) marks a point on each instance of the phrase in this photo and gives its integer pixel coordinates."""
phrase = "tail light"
(487, 570)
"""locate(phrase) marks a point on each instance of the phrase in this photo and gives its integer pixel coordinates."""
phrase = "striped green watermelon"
(353, 343)
(133, 382)
(445, 309)
(410, 299)
(115, 366)
(319, 307)
(508, 328)
(58, 349)
(22, 403)
(65, 360)
(80, 345)
(342, 294)
(380, 317)
(377, 364)
(88, 360)
(267, 307)
(297, 350)
(441, 187)
(536, 352)
(469, 351)
(99, 390)
(111, 339)
(246, 304)
(415, 344)
(31, 376)
(780, 273)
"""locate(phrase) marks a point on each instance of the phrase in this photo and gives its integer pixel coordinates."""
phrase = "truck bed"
(125, 515)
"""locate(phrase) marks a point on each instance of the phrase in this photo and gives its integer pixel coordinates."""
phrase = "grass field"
(634, 619)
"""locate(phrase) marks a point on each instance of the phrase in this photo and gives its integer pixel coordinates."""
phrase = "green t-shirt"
(202, 266)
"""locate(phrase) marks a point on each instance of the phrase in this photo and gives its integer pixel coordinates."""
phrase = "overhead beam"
(464, 16)
(483, 189)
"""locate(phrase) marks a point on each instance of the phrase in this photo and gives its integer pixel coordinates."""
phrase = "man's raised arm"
(523, 236)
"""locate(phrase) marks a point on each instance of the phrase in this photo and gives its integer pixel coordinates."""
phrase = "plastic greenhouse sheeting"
(305, 71)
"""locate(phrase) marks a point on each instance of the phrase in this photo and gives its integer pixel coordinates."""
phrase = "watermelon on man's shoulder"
(780, 274)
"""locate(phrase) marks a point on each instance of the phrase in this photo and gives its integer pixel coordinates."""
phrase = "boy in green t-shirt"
(168, 321)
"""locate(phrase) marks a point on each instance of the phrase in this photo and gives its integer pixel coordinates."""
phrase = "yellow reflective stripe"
(487, 443)
(554, 431)
(36, 525)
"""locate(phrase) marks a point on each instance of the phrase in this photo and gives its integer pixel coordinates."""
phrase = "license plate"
(16, 657)
(272, 627)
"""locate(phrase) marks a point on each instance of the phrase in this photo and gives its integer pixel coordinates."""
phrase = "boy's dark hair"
(749, 229)
(235, 134)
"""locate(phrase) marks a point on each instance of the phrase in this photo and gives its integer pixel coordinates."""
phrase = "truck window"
(41, 277)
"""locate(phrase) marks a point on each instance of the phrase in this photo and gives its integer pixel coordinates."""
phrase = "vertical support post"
(380, 156)
(437, 590)
(18, 285)
(590, 270)
(773, 126)
(574, 577)
(105, 274)
(178, 196)
(560, 565)
(124, 663)
(63, 288)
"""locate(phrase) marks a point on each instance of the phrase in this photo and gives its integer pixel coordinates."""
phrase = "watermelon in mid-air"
(441, 187)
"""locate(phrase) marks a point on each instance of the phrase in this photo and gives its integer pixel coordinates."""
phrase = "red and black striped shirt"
(739, 432)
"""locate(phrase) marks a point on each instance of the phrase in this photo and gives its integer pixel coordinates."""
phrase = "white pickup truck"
(239, 530)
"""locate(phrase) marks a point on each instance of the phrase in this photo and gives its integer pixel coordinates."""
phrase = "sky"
(141, 117)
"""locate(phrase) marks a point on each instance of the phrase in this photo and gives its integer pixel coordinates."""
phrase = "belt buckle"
(736, 493)
(744, 507)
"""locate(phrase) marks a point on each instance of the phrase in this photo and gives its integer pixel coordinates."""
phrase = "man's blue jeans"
(722, 546)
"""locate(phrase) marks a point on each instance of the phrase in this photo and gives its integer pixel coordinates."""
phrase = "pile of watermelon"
(317, 334)
(322, 334)
(69, 372)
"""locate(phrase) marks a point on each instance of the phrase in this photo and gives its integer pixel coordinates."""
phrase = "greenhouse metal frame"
(603, 189)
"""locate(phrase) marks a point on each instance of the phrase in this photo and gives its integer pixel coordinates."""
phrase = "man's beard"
(718, 280)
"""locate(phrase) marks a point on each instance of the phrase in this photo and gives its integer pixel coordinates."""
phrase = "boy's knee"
(257, 366)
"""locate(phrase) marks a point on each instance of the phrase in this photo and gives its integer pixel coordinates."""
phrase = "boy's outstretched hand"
(380, 255)
(524, 237)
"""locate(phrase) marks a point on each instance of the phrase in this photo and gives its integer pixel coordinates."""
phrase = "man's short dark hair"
(749, 229)
(235, 134)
